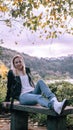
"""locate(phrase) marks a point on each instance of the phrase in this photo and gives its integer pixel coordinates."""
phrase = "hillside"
(45, 68)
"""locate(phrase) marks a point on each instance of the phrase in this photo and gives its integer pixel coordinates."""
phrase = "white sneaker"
(59, 106)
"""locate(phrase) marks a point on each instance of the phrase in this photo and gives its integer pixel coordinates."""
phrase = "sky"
(32, 45)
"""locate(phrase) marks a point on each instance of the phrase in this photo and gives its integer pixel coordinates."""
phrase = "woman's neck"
(19, 72)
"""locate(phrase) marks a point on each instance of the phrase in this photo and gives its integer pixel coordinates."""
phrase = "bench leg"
(56, 123)
(19, 120)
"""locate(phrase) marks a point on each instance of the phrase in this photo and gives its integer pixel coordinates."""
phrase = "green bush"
(63, 90)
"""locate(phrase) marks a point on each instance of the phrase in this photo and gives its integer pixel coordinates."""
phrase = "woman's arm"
(10, 78)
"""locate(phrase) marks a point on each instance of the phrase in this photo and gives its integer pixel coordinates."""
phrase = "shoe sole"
(64, 105)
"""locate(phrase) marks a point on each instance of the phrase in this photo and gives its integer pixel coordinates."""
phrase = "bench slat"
(40, 109)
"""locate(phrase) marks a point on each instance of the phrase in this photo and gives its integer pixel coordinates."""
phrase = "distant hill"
(46, 68)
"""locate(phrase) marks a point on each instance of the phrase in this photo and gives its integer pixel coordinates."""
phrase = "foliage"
(3, 79)
(63, 90)
(51, 17)
(2, 89)
(3, 70)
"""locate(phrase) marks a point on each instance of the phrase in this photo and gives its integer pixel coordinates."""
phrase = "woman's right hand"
(5, 104)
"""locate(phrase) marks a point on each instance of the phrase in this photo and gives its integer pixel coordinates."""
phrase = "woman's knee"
(40, 81)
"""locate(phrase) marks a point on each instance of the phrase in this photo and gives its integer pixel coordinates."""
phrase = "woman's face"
(18, 64)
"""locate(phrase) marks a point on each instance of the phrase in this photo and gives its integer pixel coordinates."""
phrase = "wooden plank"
(35, 109)
(40, 109)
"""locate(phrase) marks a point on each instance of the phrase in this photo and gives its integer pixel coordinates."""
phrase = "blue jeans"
(36, 96)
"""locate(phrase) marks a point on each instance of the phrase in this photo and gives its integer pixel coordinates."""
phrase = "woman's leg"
(41, 87)
(33, 99)
(36, 97)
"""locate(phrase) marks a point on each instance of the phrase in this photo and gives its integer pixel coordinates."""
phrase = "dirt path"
(5, 125)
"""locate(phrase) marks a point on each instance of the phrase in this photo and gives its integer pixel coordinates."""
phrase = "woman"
(27, 92)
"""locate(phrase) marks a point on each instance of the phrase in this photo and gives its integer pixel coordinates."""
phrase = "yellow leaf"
(3, 70)
(17, 1)
(3, 8)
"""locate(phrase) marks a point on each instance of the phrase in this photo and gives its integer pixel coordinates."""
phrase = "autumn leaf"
(3, 70)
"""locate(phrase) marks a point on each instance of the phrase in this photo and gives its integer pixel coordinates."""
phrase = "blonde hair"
(15, 71)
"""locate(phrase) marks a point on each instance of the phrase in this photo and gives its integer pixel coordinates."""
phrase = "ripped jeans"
(36, 96)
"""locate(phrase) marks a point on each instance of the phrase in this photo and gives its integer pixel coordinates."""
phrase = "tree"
(53, 17)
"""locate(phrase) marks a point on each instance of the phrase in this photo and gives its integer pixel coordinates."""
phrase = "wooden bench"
(19, 117)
